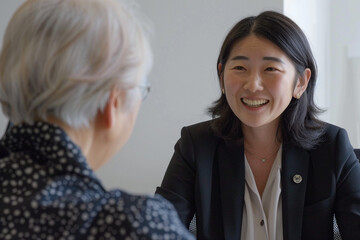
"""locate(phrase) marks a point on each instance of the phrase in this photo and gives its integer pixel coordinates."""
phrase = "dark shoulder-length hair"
(299, 123)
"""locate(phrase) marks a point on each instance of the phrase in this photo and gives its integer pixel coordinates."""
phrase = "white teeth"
(254, 103)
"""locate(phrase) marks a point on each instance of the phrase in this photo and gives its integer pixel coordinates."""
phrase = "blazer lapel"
(295, 164)
(230, 157)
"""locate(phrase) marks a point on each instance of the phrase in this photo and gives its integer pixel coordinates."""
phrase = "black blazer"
(206, 176)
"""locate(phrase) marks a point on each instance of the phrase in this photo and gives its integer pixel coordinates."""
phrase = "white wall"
(333, 28)
(345, 62)
(186, 41)
(314, 21)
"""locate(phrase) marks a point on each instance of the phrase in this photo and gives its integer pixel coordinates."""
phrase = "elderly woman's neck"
(82, 137)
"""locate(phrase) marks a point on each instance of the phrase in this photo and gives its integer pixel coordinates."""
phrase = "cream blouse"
(262, 217)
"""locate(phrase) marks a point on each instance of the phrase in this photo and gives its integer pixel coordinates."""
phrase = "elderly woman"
(72, 80)
(265, 167)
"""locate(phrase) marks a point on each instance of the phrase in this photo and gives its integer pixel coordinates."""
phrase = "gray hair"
(61, 58)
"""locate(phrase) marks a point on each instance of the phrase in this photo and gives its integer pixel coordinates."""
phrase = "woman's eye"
(271, 69)
(241, 68)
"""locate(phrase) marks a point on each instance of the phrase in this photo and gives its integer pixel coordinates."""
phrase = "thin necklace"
(263, 159)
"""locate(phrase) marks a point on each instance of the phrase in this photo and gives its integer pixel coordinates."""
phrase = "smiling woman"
(258, 81)
(265, 167)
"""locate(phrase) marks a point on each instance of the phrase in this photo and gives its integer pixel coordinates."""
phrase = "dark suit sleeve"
(347, 206)
(179, 180)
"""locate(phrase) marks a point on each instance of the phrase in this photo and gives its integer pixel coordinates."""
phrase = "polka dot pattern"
(47, 191)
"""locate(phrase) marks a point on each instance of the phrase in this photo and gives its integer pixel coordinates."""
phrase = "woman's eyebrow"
(239, 57)
(273, 59)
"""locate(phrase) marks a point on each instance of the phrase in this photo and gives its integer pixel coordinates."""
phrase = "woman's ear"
(111, 108)
(221, 73)
(302, 83)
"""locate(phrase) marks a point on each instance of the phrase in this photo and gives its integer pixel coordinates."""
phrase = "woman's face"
(258, 80)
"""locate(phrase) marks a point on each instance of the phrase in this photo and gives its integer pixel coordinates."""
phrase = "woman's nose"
(253, 83)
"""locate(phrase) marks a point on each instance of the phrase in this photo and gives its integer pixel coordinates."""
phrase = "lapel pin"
(297, 178)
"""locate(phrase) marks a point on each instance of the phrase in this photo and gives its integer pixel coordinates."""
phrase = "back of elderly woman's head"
(61, 58)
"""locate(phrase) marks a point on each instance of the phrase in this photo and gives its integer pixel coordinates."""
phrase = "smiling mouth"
(254, 103)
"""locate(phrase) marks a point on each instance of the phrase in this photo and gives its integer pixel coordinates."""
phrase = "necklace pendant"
(263, 160)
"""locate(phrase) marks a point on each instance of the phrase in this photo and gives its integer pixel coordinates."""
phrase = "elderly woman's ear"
(111, 110)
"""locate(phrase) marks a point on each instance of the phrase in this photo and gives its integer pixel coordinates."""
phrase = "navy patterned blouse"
(48, 191)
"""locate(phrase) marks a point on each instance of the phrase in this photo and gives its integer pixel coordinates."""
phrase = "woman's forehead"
(257, 47)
